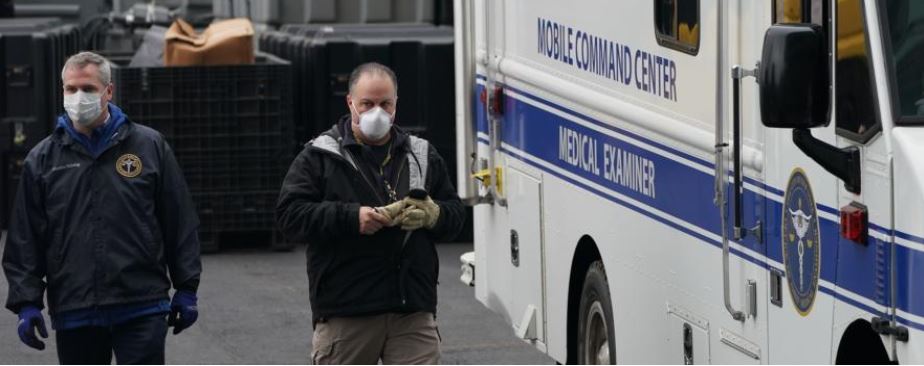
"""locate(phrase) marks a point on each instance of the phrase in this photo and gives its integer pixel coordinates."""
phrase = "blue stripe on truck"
(686, 193)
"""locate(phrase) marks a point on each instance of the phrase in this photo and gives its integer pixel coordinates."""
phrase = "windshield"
(905, 22)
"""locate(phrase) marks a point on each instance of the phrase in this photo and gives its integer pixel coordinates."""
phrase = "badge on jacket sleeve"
(128, 166)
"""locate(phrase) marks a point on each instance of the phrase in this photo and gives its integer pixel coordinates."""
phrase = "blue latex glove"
(183, 311)
(30, 317)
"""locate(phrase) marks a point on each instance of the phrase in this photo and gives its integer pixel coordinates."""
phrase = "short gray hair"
(81, 60)
(372, 68)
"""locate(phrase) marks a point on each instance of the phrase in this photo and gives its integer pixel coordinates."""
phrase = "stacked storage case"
(32, 53)
(324, 55)
(230, 128)
(336, 11)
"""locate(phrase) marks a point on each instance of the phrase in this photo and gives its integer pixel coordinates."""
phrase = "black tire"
(595, 320)
(861, 345)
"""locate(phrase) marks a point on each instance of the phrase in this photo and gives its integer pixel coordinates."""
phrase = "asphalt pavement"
(253, 307)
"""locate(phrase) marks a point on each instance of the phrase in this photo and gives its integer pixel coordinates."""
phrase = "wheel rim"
(596, 337)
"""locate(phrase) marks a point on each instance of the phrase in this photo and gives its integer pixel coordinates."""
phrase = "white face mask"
(83, 108)
(375, 123)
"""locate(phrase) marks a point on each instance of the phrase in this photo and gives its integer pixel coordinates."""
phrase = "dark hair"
(373, 68)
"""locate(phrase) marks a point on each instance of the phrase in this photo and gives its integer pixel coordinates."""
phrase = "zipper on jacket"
(398, 180)
(372, 186)
(401, 291)
(400, 254)
(360, 171)
(365, 178)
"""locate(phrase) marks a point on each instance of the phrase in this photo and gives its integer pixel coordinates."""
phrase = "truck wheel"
(596, 341)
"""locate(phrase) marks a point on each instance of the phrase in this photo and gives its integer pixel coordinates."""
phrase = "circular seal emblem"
(801, 243)
(128, 166)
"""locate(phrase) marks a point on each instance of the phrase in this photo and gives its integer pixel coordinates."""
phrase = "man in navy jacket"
(104, 222)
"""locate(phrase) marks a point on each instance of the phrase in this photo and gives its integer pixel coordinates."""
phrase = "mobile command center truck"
(697, 181)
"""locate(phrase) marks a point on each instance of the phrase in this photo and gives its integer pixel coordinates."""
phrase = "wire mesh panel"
(230, 128)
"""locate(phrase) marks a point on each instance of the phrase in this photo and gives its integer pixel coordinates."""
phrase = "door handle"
(738, 73)
(776, 287)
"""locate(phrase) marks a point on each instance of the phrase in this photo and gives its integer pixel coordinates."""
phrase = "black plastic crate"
(12, 172)
(238, 174)
(32, 53)
(32, 93)
(235, 210)
(392, 29)
(422, 56)
(27, 24)
(243, 109)
(231, 129)
(222, 213)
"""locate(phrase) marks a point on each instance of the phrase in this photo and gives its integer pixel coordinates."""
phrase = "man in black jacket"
(103, 219)
(372, 263)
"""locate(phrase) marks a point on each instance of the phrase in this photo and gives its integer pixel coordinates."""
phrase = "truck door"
(512, 266)
(740, 335)
(865, 253)
(802, 222)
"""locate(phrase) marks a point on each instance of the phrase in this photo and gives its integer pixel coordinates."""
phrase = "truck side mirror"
(795, 93)
(794, 87)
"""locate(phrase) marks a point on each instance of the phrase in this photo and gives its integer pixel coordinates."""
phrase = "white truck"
(697, 181)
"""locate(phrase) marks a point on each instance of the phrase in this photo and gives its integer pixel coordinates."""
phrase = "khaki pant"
(391, 338)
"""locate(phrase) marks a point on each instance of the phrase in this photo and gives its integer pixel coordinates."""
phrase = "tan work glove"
(412, 219)
(392, 212)
(419, 213)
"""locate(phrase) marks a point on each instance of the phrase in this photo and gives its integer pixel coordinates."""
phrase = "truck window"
(798, 11)
(787, 11)
(905, 35)
(677, 24)
(856, 106)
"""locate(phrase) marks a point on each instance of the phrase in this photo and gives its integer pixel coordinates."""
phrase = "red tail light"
(854, 222)
(497, 100)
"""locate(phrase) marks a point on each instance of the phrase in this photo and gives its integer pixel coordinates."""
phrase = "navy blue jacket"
(117, 228)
